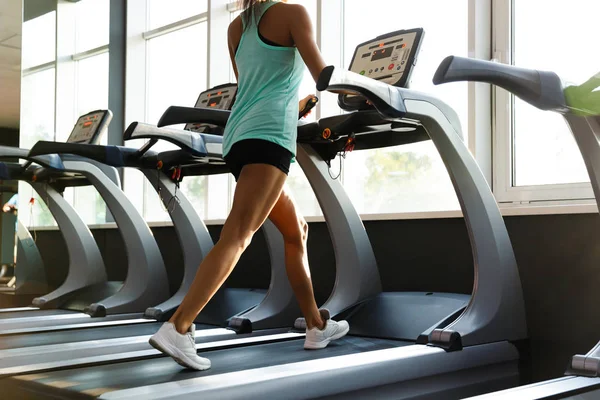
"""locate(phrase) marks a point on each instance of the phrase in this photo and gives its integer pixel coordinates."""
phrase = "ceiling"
(10, 62)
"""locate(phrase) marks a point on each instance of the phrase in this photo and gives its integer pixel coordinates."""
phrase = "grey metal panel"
(496, 311)
(586, 131)
(323, 377)
(541, 390)
(30, 272)
(357, 276)
(194, 238)
(86, 266)
(146, 283)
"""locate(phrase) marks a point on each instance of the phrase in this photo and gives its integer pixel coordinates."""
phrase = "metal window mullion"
(502, 152)
(90, 53)
(39, 68)
(175, 26)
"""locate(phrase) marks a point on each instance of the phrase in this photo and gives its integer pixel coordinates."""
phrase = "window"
(37, 107)
(39, 44)
(37, 120)
(92, 24)
(91, 94)
(544, 150)
(81, 75)
(92, 84)
(175, 76)
(161, 12)
(408, 178)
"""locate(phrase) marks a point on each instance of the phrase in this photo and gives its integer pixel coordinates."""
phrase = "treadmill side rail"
(335, 375)
(496, 311)
(146, 283)
(586, 131)
(86, 266)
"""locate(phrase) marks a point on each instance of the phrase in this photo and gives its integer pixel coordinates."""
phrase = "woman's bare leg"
(294, 229)
(258, 189)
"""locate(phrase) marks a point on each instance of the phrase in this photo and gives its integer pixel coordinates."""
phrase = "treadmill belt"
(79, 335)
(33, 313)
(94, 381)
(31, 325)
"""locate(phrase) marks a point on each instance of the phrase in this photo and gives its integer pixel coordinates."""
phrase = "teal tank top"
(269, 78)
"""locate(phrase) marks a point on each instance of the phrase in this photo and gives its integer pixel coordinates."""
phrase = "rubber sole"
(325, 343)
(177, 356)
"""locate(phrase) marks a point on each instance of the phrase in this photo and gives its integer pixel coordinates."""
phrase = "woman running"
(269, 43)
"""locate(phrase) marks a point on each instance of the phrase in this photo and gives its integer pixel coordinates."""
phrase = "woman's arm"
(302, 33)
(234, 36)
(301, 30)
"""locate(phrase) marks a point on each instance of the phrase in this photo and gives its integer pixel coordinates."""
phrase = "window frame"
(490, 109)
(505, 190)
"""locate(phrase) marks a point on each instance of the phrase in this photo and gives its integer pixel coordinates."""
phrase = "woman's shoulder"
(291, 10)
(235, 29)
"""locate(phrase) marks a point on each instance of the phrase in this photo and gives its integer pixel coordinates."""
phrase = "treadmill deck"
(95, 381)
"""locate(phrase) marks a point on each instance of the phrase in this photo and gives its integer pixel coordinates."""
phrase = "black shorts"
(257, 151)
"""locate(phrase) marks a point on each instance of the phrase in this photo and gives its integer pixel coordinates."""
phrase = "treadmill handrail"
(110, 155)
(542, 89)
(386, 100)
(50, 160)
(183, 115)
(198, 144)
(5, 173)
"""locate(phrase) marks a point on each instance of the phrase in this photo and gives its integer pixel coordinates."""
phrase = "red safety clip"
(176, 174)
(31, 201)
(349, 146)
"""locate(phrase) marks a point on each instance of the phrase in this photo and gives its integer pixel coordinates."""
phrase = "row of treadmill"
(88, 338)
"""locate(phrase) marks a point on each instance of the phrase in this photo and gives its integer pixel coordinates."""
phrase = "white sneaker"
(319, 339)
(182, 348)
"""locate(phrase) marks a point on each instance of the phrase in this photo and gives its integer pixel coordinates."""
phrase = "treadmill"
(580, 106)
(29, 279)
(86, 269)
(254, 317)
(86, 287)
(409, 345)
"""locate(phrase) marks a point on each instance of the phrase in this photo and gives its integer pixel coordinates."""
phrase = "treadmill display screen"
(219, 98)
(214, 102)
(383, 53)
(392, 57)
(87, 128)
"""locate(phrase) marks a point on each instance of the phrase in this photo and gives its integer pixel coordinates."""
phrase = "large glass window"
(91, 94)
(412, 177)
(39, 40)
(37, 107)
(37, 123)
(92, 24)
(175, 76)
(161, 12)
(544, 151)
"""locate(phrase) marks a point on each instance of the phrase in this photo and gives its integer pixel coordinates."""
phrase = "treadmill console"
(389, 58)
(90, 127)
(220, 98)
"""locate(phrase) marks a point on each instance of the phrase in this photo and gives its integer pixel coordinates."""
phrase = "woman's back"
(269, 69)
